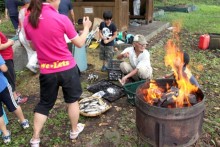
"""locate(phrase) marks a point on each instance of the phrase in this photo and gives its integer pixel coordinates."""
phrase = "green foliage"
(177, 2)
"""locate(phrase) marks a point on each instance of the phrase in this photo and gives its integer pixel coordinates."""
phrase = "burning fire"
(174, 59)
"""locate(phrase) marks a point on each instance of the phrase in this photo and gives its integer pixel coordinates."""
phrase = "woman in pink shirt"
(45, 29)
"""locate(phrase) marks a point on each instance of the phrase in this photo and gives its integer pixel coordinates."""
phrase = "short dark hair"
(107, 15)
(186, 58)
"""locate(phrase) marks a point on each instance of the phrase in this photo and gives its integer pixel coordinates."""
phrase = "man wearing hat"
(139, 66)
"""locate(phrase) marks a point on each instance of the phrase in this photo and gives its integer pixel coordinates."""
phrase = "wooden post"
(149, 11)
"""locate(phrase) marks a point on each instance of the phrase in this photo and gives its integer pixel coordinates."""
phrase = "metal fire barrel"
(167, 127)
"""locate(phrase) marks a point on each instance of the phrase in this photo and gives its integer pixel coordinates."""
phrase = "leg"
(39, 120)
(6, 134)
(14, 20)
(145, 73)
(11, 77)
(125, 68)
(12, 106)
(72, 90)
(102, 57)
(48, 94)
(18, 112)
(3, 126)
(73, 112)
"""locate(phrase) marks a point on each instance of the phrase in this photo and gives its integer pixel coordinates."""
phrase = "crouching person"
(6, 97)
(139, 66)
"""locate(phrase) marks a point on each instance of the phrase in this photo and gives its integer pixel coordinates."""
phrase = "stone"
(20, 56)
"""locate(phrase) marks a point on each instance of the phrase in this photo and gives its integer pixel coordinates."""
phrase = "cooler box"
(80, 57)
(204, 41)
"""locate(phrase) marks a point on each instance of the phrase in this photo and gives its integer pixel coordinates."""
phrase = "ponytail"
(35, 9)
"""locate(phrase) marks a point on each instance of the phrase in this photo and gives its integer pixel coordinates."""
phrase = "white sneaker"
(35, 142)
(25, 124)
(80, 127)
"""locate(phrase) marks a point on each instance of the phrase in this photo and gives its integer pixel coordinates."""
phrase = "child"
(107, 33)
(32, 55)
(6, 52)
(182, 67)
(6, 97)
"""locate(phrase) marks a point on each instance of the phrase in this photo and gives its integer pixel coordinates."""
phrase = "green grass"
(204, 20)
(7, 27)
(177, 2)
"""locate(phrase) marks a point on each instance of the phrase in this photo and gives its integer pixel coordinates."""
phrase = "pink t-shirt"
(48, 39)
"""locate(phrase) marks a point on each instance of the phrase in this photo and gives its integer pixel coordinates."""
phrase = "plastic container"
(80, 57)
(214, 41)
(114, 72)
(204, 41)
(130, 90)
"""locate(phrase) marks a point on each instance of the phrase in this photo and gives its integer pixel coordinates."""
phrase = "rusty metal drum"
(166, 127)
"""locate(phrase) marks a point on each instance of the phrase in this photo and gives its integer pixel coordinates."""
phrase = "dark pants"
(15, 22)
(10, 74)
(6, 96)
(69, 80)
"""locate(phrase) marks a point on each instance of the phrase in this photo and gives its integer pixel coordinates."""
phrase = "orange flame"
(153, 92)
(175, 59)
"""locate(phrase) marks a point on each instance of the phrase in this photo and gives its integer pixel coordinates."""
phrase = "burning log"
(167, 98)
(192, 99)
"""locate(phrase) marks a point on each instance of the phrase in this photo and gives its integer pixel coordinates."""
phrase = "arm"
(100, 34)
(80, 40)
(168, 75)
(72, 15)
(6, 13)
(3, 68)
(32, 46)
(6, 45)
(123, 55)
(131, 74)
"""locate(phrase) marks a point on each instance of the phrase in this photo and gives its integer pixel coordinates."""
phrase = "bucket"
(5, 118)
(204, 41)
(80, 57)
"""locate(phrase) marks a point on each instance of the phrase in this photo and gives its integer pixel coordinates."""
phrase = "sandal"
(80, 127)
(35, 142)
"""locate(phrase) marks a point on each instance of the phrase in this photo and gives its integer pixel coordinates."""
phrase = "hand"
(106, 41)
(116, 49)
(11, 42)
(87, 22)
(126, 55)
(123, 80)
